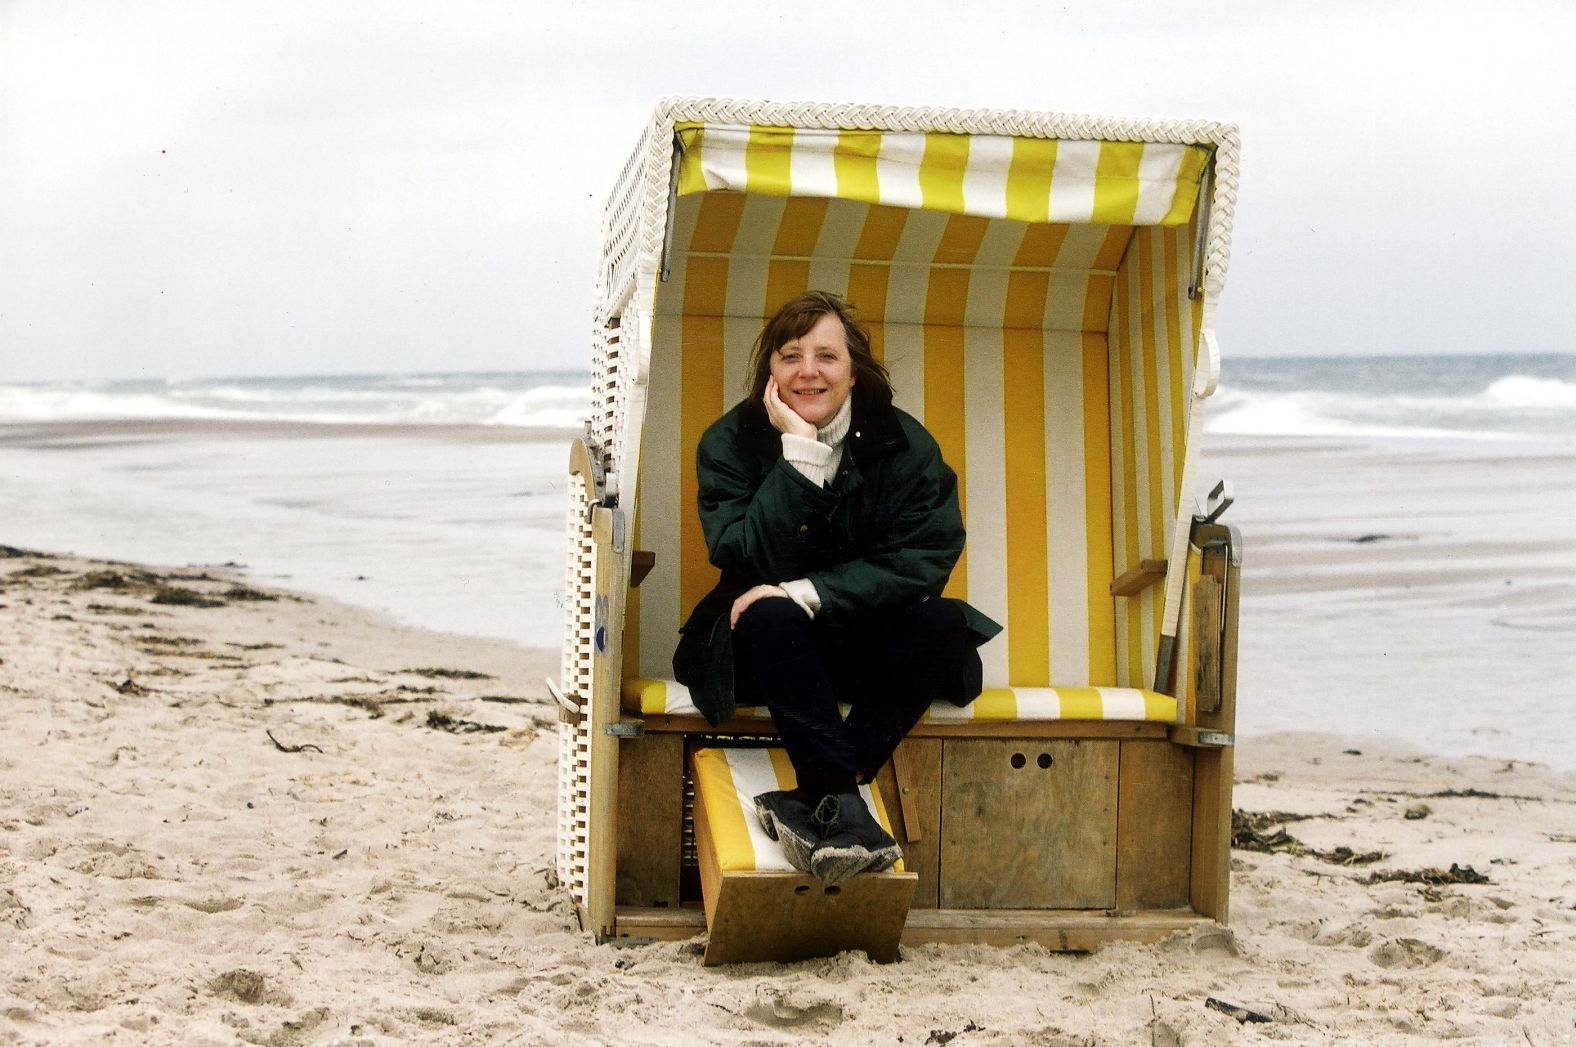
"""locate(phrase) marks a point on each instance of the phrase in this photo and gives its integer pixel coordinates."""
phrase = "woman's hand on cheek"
(784, 418)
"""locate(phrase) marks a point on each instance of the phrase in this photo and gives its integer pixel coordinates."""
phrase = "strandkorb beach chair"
(1042, 289)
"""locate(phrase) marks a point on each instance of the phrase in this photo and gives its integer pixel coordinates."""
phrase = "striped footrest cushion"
(727, 781)
(667, 697)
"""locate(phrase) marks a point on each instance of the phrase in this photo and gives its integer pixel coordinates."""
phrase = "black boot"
(852, 841)
(786, 817)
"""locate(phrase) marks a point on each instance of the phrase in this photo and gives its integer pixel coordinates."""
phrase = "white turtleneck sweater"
(818, 460)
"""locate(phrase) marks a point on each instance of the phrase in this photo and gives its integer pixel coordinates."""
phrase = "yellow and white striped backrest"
(1051, 359)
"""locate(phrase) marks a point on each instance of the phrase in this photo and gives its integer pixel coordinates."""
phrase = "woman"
(835, 524)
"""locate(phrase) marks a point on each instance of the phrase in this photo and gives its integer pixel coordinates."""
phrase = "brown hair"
(872, 384)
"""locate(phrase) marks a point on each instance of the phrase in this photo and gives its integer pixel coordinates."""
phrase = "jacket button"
(804, 528)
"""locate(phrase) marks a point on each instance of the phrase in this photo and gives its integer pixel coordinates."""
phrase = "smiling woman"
(835, 524)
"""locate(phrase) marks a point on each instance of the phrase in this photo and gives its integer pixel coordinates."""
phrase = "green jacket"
(887, 531)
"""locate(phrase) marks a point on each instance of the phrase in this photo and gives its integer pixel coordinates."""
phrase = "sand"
(270, 821)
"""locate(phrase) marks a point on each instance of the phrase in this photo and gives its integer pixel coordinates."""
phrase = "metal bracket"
(1217, 738)
(1220, 500)
(624, 729)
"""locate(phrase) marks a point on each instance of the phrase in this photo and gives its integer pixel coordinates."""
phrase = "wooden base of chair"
(786, 916)
(1065, 930)
(789, 916)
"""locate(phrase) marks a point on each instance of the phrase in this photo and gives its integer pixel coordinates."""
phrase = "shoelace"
(826, 812)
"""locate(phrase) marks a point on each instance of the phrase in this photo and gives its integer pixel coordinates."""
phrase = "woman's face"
(814, 372)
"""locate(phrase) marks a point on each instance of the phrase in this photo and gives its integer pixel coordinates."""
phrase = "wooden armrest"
(1136, 579)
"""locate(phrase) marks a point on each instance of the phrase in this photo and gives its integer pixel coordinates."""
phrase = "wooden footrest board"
(791, 916)
(755, 913)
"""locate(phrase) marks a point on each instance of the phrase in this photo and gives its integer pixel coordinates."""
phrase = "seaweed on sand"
(181, 597)
(1430, 877)
(454, 725)
(244, 592)
(449, 674)
(118, 581)
(1264, 831)
(11, 552)
(43, 570)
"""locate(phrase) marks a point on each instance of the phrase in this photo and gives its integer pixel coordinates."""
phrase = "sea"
(1403, 396)
(1498, 396)
(439, 499)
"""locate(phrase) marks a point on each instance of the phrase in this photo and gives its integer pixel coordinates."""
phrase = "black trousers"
(888, 668)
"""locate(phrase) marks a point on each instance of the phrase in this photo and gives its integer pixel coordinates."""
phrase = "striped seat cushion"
(666, 697)
(727, 781)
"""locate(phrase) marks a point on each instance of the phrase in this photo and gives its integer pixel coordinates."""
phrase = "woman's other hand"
(759, 592)
(784, 420)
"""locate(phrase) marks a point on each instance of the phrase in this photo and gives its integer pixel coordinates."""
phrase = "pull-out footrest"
(757, 906)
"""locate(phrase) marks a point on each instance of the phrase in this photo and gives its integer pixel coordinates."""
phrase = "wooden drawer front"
(1028, 824)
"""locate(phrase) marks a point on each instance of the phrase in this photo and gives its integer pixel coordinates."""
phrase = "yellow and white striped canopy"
(992, 176)
(1039, 304)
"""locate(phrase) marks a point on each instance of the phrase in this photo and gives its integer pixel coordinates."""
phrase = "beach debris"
(131, 687)
(1369, 539)
(1476, 794)
(454, 725)
(170, 641)
(163, 589)
(244, 592)
(1456, 794)
(43, 570)
(116, 581)
(448, 674)
(1264, 832)
(1430, 877)
(11, 552)
(106, 608)
(178, 596)
(1236, 1010)
(945, 1036)
(1417, 812)
(1249, 830)
(282, 747)
(372, 704)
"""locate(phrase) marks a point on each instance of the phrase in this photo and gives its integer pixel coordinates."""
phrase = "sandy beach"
(238, 815)
(234, 809)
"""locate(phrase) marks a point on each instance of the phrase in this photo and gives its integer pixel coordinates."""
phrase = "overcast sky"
(250, 187)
